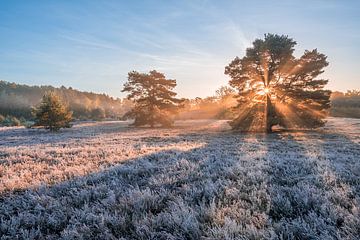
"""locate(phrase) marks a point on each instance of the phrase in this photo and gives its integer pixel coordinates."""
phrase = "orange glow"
(289, 109)
(264, 91)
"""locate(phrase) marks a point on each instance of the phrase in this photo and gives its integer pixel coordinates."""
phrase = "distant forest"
(345, 104)
(17, 100)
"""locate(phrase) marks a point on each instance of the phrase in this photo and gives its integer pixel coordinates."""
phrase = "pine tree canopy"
(155, 102)
(276, 88)
(51, 113)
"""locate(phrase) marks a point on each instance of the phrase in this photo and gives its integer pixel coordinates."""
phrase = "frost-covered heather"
(197, 180)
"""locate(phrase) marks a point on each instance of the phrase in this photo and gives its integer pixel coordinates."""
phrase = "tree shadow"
(305, 203)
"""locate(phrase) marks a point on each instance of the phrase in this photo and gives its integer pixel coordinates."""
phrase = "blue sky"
(92, 45)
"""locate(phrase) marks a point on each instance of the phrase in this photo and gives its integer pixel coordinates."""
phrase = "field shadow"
(19, 137)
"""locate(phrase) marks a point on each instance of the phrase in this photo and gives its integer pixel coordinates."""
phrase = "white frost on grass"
(195, 181)
(32, 157)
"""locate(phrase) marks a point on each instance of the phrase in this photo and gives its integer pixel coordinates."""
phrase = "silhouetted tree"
(154, 100)
(52, 113)
(226, 96)
(353, 93)
(274, 87)
(224, 92)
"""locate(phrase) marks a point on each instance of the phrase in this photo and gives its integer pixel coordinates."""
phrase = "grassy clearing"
(197, 180)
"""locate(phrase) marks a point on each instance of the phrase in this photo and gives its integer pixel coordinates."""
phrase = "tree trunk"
(152, 112)
(268, 115)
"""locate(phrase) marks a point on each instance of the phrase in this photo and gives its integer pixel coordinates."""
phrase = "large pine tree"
(51, 113)
(155, 102)
(276, 88)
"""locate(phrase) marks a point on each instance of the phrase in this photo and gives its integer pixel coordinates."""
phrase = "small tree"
(154, 100)
(52, 113)
(226, 101)
(276, 88)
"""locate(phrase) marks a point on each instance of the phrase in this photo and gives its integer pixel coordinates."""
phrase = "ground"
(198, 180)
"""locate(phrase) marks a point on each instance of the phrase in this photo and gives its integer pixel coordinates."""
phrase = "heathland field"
(197, 180)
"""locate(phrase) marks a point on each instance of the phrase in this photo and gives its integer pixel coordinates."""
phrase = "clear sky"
(91, 45)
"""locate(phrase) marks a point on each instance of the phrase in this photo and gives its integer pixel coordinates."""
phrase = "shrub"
(10, 121)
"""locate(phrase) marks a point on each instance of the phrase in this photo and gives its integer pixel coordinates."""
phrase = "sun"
(264, 91)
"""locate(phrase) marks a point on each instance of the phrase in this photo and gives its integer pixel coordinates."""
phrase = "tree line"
(17, 100)
(345, 104)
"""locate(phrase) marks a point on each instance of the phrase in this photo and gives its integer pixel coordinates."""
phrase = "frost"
(197, 180)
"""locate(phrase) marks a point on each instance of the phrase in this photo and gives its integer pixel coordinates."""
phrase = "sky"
(92, 45)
